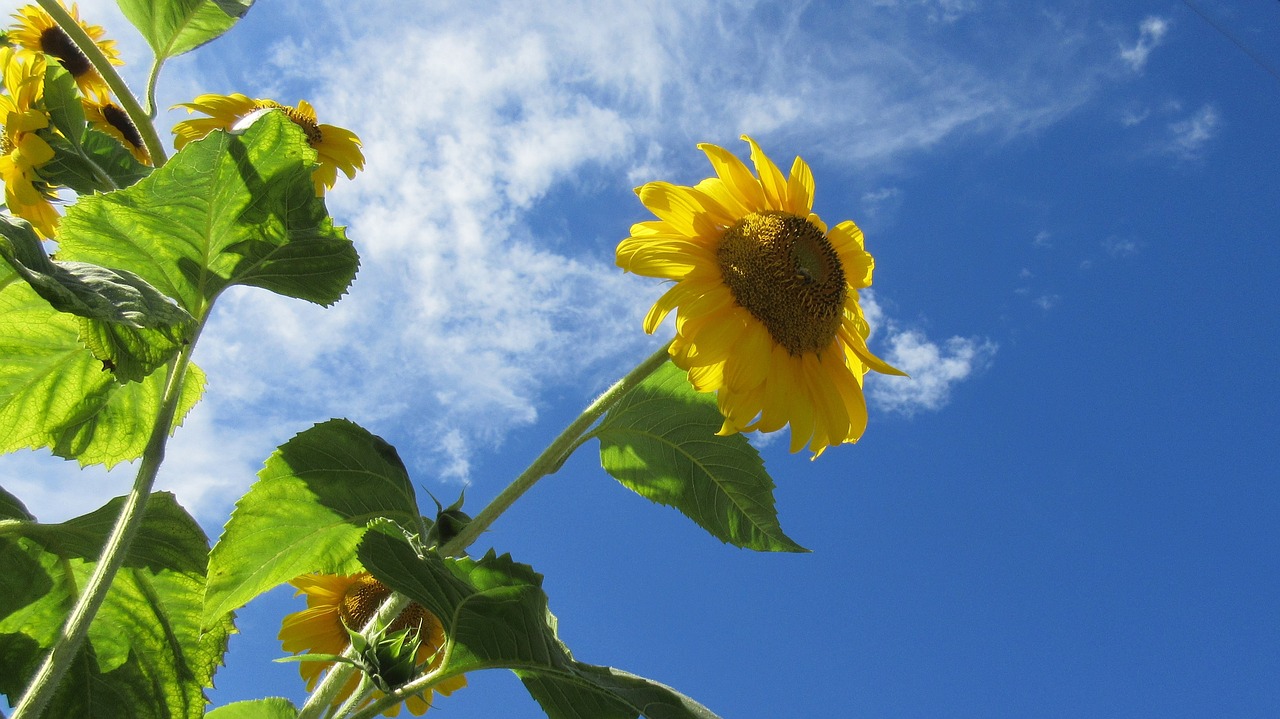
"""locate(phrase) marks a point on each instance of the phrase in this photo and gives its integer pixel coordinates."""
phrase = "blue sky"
(1073, 207)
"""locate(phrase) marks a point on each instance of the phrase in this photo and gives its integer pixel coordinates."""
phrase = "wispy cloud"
(1188, 137)
(1151, 33)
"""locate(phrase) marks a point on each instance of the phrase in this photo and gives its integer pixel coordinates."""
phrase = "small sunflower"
(37, 31)
(768, 313)
(337, 148)
(333, 601)
(22, 151)
(105, 115)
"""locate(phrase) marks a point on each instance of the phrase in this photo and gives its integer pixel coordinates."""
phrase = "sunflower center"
(54, 41)
(119, 119)
(785, 272)
(364, 597)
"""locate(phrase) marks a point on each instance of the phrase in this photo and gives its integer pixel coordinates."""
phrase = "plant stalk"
(59, 659)
(140, 119)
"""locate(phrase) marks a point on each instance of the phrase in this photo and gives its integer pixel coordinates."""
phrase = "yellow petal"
(775, 186)
(737, 179)
(800, 188)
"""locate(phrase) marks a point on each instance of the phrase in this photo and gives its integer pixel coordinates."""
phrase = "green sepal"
(495, 615)
(172, 27)
(313, 502)
(231, 209)
(660, 441)
(146, 654)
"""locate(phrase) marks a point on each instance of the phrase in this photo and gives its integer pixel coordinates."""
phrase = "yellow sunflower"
(337, 148)
(110, 118)
(21, 149)
(37, 31)
(767, 297)
(319, 629)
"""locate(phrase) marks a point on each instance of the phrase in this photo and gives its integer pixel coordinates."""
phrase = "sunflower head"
(766, 297)
(336, 148)
(35, 30)
(336, 603)
(106, 116)
(22, 150)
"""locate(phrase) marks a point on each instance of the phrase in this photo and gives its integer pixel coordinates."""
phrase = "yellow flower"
(333, 600)
(337, 148)
(110, 118)
(768, 314)
(21, 149)
(38, 32)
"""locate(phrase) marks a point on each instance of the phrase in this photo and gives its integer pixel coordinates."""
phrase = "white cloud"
(1188, 137)
(1120, 246)
(1043, 240)
(934, 367)
(1151, 33)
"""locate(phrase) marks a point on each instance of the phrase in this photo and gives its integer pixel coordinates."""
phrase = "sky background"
(1069, 510)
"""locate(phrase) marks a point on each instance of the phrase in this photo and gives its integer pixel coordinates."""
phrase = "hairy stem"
(140, 119)
(45, 681)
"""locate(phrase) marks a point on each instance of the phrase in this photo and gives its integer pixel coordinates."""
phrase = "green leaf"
(660, 441)
(11, 507)
(307, 512)
(495, 615)
(268, 708)
(62, 101)
(128, 323)
(54, 393)
(173, 27)
(231, 209)
(78, 166)
(146, 655)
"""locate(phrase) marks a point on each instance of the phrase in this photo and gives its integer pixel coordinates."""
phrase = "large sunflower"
(337, 148)
(37, 31)
(319, 629)
(21, 149)
(767, 298)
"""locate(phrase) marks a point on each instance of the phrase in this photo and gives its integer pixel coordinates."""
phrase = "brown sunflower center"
(364, 597)
(119, 119)
(784, 271)
(54, 41)
(309, 126)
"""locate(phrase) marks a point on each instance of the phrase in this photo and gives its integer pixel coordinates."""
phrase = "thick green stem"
(140, 119)
(555, 454)
(47, 677)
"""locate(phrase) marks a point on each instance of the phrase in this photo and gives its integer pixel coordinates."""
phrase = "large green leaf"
(85, 159)
(127, 323)
(495, 615)
(312, 503)
(147, 655)
(229, 209)
(268, 708)
(173, 27)
(54, 393)
(660, 441)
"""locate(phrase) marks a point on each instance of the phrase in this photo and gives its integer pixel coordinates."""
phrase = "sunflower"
(110, 118)
(21, 149)
(768, 314)
(334, 600)
(337, 148)
(37, 31)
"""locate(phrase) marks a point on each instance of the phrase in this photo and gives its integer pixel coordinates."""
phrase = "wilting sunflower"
(37, 31)
(319, 629)
(767, 298)
(337, 148)
(21, 149)
(110, 118)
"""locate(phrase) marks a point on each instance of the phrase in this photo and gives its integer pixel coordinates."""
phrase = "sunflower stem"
(59, 659)
(140, 119)
(325, 695)
(555, 454)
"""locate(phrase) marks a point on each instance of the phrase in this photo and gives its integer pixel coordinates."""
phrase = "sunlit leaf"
(268, 708)
(231, 209)
(660, 441)
(495, 614)
(172, 27)
(307, 512)
(146, 655)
